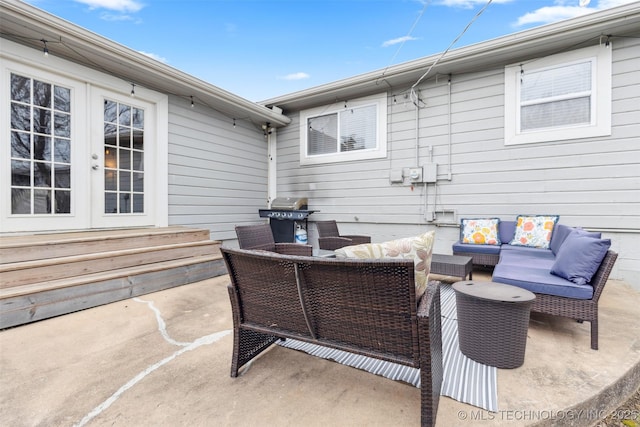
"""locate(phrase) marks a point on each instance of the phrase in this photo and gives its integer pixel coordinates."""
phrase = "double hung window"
(353, 130)
(560, 97)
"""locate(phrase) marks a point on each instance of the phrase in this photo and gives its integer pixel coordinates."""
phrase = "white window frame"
(600, 121)
(380, 150)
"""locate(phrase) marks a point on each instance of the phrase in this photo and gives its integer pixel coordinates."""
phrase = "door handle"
(95, 166)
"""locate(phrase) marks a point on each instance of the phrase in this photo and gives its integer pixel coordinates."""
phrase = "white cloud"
(548, 14)
(118, 5)
(565, 9)
(468, 4)
(111, 17)
(154, 56)
(606, 4)
(398, 40)
(295, 76)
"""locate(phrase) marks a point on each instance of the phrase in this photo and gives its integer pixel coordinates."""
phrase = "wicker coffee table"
(452, 265)
(493, 319)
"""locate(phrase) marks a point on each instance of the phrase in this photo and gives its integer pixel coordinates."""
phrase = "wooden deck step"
(21, 273)
(39, 301)
(48, 275)
(46, 246)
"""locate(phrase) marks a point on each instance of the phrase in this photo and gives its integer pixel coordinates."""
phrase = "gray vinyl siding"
(217, 173)
(592, 183)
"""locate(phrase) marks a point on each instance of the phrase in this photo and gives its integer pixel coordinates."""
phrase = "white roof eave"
(27, 25)
(544, 40)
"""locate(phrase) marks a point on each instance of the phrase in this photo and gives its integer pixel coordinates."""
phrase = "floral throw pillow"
(418, 248)
(534, 231)
(480, 231)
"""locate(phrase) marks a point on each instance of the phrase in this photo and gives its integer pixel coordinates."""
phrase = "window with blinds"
(555, 97)
(353, 131)
(559, 97)
(348, 130)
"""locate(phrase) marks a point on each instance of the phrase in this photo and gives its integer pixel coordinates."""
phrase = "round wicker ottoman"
(493, 319)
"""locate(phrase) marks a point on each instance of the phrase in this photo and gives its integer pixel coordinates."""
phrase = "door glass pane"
(138, 118)
(125, 182)
(62, 177)
(42, 174)
(110, 111)
(138, 182)
(20, 201)
(63, 202)
(125, 203)
(42, 120)
(41, 94)
(42, 201)
(138, 203)
(61, 97)
(138, 161)
(20, 173)
(125, 159)
(123, 153)
(20, 117)
(110, 182)
(110, 202)
(138, 139)
(124, 136)
(124, 115)
(20, 88)
(62, 124)
(41, 147)
(40, 110)
(20, 145)
(62, 152)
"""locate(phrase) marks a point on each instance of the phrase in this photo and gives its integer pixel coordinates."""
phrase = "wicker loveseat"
(365, 307)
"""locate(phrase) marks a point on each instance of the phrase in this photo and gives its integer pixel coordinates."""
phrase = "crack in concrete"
(205, 340)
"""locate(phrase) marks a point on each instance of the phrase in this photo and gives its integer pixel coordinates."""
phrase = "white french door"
(77, 156)
(122, 167)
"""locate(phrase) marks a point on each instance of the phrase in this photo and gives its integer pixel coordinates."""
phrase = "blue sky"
(260, 49)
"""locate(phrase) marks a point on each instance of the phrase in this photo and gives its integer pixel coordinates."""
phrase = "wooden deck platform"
(47, 275)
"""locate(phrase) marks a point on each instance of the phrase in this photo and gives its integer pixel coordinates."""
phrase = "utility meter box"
(430, 172)
(415, 174)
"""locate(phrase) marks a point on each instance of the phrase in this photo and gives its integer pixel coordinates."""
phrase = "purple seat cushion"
(539, 280)
(526, 256)
(579, 257)
(476, 249)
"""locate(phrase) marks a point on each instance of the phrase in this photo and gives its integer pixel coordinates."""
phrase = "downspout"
(417, 104)
(272, 164)
(449, 175)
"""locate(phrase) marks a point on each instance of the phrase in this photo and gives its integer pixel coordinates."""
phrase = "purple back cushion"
(506, 230)
(579, 257)
(560, 233)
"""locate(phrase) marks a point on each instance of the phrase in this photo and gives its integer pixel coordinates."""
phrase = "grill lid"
(289, 203)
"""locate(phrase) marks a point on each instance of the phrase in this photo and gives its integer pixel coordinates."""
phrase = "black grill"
(285, 214)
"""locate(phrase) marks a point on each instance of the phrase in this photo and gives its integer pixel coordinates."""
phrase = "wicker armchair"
(329, 238)
(261, 237)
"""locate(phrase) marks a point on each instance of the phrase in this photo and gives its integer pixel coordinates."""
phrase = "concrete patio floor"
(163, 359)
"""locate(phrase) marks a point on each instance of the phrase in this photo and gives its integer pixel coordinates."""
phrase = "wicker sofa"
(365, 307)
(561, 289)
